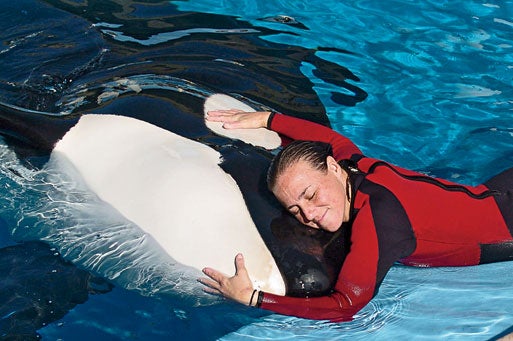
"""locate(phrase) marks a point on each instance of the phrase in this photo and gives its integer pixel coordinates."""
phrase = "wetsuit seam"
(421, 178)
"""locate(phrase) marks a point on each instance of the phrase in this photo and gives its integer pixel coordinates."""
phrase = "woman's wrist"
(259, 299)
(253, 294)
(256, 299)
(269, 119)
(262, 118)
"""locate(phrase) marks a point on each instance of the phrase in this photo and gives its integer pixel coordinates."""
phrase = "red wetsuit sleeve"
(355, 287)
(299, 129)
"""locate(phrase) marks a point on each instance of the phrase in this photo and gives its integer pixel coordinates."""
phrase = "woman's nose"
(309, 212)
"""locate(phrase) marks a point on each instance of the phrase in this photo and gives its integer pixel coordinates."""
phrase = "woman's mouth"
(319, 221)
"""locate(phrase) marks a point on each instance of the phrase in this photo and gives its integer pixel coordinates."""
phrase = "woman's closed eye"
(311, 196)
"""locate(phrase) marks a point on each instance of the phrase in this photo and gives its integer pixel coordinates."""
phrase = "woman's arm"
(299, 129)
(347, 299)
(357, 283)
(291, 127)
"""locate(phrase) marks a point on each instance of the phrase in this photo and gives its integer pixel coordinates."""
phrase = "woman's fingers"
(240, 267)
(214, 280)
(211, 286)
(238, 288)
(237, 119)
(231, 115)
(216, 115)
(210, 290)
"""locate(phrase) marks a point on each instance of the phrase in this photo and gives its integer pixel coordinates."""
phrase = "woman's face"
(316, 198)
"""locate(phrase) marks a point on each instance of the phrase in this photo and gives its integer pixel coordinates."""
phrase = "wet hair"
(313, 152)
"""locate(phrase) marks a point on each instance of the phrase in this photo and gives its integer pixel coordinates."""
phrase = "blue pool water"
(427, 85)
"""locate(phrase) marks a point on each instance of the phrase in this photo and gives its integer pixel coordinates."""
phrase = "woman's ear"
(332, 164)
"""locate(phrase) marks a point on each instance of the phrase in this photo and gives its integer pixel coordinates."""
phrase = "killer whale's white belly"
(173, 189)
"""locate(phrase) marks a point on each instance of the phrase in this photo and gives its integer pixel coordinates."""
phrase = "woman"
(394, 215)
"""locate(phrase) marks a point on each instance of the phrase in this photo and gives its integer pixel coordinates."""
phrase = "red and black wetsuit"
(399, 215)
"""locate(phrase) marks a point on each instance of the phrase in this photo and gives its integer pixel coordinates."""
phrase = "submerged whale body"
(201, 196)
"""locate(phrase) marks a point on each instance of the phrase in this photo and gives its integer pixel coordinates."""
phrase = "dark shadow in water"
(39, 287)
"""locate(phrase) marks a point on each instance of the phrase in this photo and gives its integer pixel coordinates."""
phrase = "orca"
(200, 195)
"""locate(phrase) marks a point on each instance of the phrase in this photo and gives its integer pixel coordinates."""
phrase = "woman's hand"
(237, 119)
(238, 288)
